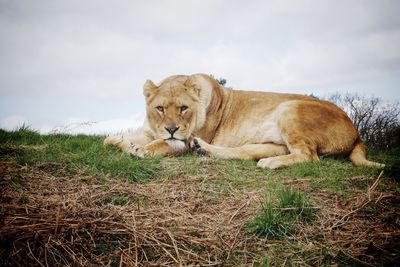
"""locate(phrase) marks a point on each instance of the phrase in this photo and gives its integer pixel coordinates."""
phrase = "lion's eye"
(183, 108)
(160, 108)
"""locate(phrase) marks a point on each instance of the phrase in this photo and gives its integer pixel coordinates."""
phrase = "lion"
(194, 112)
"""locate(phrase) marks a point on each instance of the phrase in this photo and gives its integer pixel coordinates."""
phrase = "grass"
(23, 200)
(332, 175)
(118, 209)
(280, 216)
(118, 200)
(68, 155)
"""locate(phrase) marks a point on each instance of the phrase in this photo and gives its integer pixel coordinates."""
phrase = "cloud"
(96, 49)
(98, 52)
(365, 58)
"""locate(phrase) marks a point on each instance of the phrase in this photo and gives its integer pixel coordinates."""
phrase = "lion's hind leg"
(250, 151)
(299, 153)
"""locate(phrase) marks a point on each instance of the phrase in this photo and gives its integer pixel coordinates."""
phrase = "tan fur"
(276, 129)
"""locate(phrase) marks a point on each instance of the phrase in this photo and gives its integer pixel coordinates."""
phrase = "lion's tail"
(118, 141)
(359, 156)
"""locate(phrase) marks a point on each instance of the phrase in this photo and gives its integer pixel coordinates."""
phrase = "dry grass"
(363, 230)
(68, 221)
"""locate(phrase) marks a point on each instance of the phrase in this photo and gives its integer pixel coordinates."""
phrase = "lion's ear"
(192, 83)
(149, 88)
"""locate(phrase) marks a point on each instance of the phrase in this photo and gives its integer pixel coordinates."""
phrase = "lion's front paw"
(143, 152)
(137, 150)
(155, 148)
(199, 146)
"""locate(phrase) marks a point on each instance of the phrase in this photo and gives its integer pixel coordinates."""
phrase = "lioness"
(278, 130)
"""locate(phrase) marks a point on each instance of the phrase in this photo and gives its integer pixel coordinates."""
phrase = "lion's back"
(259, 117)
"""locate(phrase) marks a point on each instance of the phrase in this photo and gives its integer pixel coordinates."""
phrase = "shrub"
(376, 120)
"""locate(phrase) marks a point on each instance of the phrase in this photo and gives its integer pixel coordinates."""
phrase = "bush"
(376, 120)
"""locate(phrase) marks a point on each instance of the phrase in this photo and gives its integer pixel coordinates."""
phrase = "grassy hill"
(68, 200)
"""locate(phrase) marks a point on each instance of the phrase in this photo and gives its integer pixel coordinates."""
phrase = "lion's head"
(177, 107)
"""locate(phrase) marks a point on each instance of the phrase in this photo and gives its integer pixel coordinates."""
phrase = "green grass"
(332, 175)
(23, 200)
(63, 154)
(279, 217)
(297, 204)
(67, 155)
(115, 200)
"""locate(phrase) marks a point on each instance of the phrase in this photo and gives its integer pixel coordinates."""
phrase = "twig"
(135, 238)
(57, 220)
(357, 260)
(91, 238)
(314, 208)
(120, 259)
(373, 186)
(368, 194)
(175, 246)
(33, 256)
(238, 210)
(233, 243)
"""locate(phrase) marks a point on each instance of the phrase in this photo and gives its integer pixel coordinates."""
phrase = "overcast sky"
(67, 62)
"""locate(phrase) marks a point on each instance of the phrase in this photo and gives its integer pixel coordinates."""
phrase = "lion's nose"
(172, 128)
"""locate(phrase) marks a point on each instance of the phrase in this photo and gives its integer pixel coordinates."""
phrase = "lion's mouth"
(174, 139)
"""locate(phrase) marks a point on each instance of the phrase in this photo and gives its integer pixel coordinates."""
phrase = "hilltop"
(68, 200)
